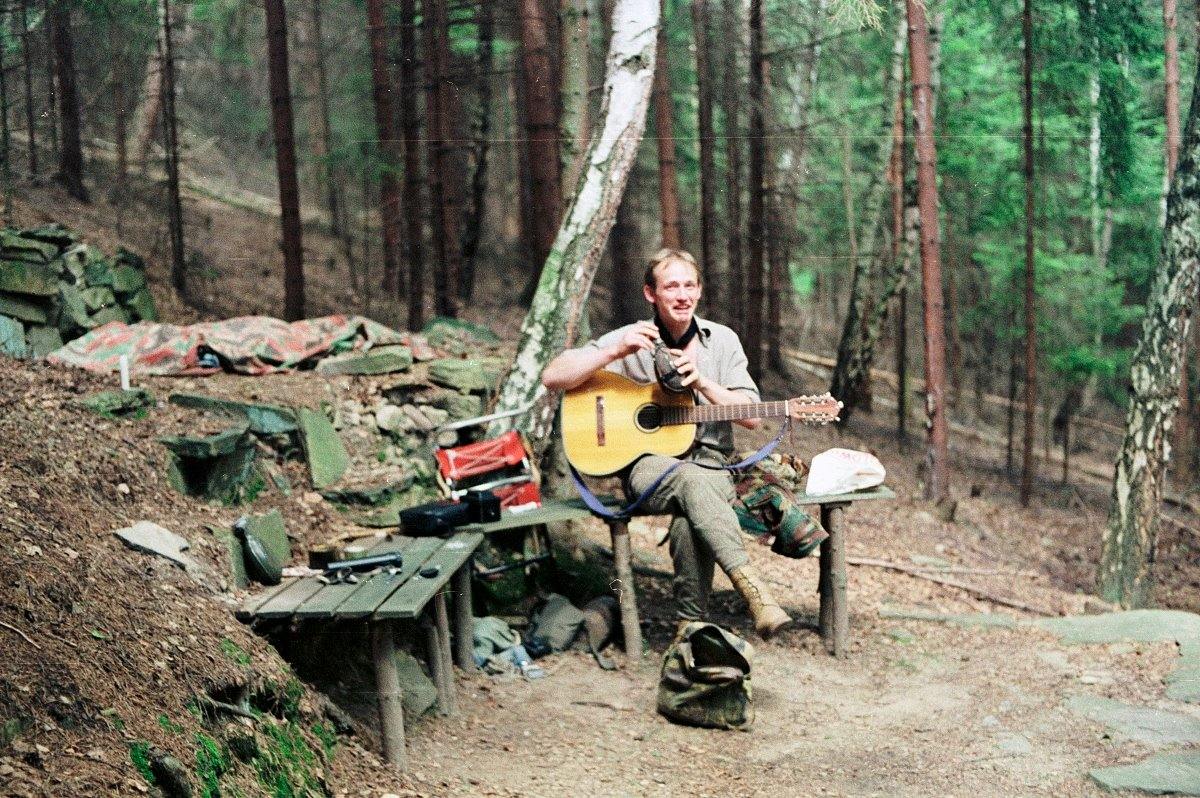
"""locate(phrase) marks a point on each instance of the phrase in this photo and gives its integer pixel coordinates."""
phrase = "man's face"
(676, 292)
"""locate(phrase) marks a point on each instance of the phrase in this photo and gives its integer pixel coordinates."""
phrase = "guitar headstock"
(816, 410)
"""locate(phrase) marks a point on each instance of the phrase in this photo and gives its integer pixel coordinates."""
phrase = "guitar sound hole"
(649, 418)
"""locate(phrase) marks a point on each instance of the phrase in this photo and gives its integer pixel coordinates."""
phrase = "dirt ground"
(101, 644)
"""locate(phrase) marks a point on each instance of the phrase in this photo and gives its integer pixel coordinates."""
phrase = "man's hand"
(687, 370)
(641, 336)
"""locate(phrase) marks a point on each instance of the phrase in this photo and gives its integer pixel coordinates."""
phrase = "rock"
(1135, 625)
(378, 360)
(126, 279)
(1015, 744)
(969, 619)
(206, 446)
(390, 418)
(120, 404)
(478, 375)
(1176, 773)
(15, 246)
(902, 636)
(170, 775)
(149, 537)
(420, 421)
(74, 309)
(459, 406)
(22, 307)
(12, 337)
(28, 278)
(419, 694)
(109, 314)
(457, 336)
(1144, 724)
(215, 467)
(141, 306)
(41, 341)
(326, 454)
(97, 297)
(261, 418)
(235, 561)
(437, 417)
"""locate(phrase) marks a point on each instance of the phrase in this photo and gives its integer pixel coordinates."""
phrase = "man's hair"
(665, 256)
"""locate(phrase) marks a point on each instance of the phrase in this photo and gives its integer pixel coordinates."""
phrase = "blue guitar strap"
(626, 512)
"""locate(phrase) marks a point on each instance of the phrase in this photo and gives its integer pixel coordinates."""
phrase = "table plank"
(284, 603)
(550, 512)
(252, 603)
(374, 590)
(879, 492)
(324, 603)
(411, 598)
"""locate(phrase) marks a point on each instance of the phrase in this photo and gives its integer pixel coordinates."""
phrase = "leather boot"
(769, 618)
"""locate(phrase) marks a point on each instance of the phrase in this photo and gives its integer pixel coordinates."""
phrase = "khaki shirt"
(720, 357)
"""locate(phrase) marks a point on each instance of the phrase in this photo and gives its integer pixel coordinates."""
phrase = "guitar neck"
(703, 414)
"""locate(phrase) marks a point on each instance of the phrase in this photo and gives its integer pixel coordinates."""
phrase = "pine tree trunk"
(166, 58)
(756, 209)
(576, 56)
(664, 131)
(414, 208)
(731, 106)
(389, 189)
(285, 159)
(51, 90)
(1030, 297)
(708, 174)
(30, 123)
(625, 247)
(70, 156)
(322, 131)
(5, 133)
(120, 127)
(898, 259)
(937, 484)
(541, 122)
(1128, 548)
(151, 100)
(443, 195)
(553, 321)
(474, 222)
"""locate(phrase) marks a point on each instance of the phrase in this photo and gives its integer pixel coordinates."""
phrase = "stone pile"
(54, 288)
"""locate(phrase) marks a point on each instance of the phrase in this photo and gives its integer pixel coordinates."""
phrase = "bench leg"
(391, 697)
(464, 620)
(433, 656)
(626, 595)
(442, 617)
(835, 610)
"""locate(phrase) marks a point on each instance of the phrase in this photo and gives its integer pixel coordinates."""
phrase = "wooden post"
(391, 697)
(464, 620)
(835, 619)
(443, 628)
(433, 657)
(626, 596)
(825, 585)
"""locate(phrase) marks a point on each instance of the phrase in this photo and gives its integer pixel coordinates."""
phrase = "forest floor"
(105, 647)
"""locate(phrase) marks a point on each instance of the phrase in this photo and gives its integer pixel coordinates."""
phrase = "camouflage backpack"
(768, 509)
(705, 679)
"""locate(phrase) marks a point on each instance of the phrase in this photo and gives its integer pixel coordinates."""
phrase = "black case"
(485, 506)
(435, 518)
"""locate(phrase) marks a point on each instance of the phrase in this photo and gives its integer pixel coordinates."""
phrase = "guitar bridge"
(599, 420)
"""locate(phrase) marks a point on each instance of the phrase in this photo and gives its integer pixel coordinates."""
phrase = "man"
(710, 359)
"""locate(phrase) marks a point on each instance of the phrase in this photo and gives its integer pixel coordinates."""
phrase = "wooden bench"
(384, 598)
(833, 618)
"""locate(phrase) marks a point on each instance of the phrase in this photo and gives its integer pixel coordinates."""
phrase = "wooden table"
(833, 618)
(384, 598)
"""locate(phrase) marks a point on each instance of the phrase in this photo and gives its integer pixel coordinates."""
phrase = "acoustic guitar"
(610, 421)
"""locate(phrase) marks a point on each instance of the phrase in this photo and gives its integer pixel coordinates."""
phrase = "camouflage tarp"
(246, 345)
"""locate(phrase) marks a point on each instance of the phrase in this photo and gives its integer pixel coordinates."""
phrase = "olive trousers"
(704, 529)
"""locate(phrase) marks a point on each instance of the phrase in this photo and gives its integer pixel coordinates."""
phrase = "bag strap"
(626, 512)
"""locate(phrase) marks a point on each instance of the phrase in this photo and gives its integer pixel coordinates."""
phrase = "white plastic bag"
(843, 471)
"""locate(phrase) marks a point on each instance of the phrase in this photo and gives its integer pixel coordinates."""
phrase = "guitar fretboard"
(703, 414)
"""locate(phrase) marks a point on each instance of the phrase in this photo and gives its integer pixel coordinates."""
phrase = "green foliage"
(212, 761)
(235, 652)
(327, 736)
(168, 725)
(139, 754)
(286, 765)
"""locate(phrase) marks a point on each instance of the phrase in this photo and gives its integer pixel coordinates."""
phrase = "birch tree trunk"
(937, 477)
(863, 326)
(1127, 552)
(553, 321)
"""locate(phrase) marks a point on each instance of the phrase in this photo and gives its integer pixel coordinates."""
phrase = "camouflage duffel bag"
(767, 509)
(705, 679)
